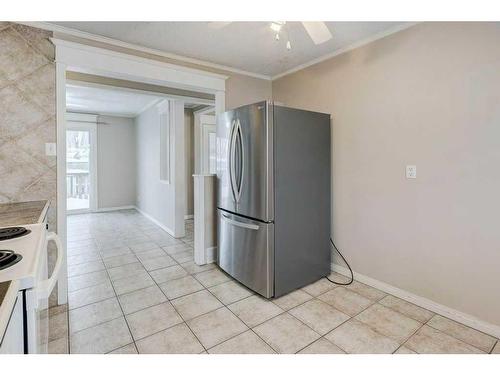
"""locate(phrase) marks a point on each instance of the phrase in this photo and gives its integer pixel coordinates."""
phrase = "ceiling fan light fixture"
(276, 26)
(318, 31)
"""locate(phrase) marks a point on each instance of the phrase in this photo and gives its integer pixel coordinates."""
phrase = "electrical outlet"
(411, 171)
(50, 149)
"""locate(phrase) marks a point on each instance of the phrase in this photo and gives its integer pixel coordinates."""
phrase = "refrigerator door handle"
(239, 223)
(230, 158)
(239, 132)
(236, 131)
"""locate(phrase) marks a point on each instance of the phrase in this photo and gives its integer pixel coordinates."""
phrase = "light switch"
(411, 171)
(50, 149)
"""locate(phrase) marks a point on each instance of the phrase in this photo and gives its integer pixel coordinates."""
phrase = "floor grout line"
(177, 312)
(151, 232)
(456, 338)
(237, 317)
(408, 338)
(119, 304)
(494, 346)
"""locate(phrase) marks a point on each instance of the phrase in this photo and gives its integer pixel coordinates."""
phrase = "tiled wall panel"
(27, 116)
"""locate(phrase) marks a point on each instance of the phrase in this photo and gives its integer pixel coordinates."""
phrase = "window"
(81, 162)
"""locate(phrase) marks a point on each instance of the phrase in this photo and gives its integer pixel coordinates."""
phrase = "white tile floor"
(135, 289)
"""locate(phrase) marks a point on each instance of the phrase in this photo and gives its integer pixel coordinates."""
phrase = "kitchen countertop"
(22, 213)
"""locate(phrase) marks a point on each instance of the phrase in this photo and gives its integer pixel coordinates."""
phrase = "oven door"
(246, 251)
(37, 299)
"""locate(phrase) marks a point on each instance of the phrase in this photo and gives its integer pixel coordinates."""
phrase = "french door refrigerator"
(273, 196)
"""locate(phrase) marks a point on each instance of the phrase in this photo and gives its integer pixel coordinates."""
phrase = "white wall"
(162, 202)
(116, 162)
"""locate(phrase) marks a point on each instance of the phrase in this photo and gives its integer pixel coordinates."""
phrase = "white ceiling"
(107, 101)
(248, 46)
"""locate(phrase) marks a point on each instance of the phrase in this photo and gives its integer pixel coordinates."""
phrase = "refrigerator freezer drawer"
(246, 251)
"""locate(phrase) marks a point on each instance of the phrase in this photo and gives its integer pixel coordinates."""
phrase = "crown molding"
(348, 48)
(115, 42)
(97, 38)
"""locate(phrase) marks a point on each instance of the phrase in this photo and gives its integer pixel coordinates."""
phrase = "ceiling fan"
(317, 31)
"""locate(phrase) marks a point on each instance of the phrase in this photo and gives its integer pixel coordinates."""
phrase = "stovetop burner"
(8, 258)
(13, 232)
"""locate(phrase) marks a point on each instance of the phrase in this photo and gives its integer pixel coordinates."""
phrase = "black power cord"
(348, 266)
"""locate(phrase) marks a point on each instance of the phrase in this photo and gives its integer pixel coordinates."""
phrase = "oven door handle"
(44, 289)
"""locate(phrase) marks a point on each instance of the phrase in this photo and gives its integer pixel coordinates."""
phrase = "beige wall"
(241, 90)
(428, 96)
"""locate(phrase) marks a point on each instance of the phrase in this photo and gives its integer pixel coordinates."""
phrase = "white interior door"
(81, 162)
(208, 144)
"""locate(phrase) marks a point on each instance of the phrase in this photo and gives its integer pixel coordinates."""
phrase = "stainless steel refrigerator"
(273, 197)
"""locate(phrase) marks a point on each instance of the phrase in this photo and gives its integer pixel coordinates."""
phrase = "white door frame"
(86, 122)
(207, 123)
(71, 56)
(198, 137)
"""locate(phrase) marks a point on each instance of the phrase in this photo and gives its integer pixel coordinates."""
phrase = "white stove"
(24, 261)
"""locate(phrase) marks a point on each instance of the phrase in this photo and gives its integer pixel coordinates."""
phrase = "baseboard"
(211, 254)
(118, 208)
(458, 316)
(187, 217)
(162, 226)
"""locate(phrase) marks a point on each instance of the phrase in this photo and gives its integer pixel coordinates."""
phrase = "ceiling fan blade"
(318, 31)
(218, 25)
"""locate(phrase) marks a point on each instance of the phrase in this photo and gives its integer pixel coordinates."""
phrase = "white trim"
(147, 216)
(73, 56)
(188, 99)
(62, 285)
(180, 68)
(211, 254)
(348, 48)
(220, 102)
(458, 316)
(102, 39)
(148, 106)
(197, 135)
(103, 113)
(119, 43)
(77, 117)
(79, 211)
(178, 165)
(203, 125)
(205, 236)
(93, 60)
(117, 208)
(206, 111)
(188, 217)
